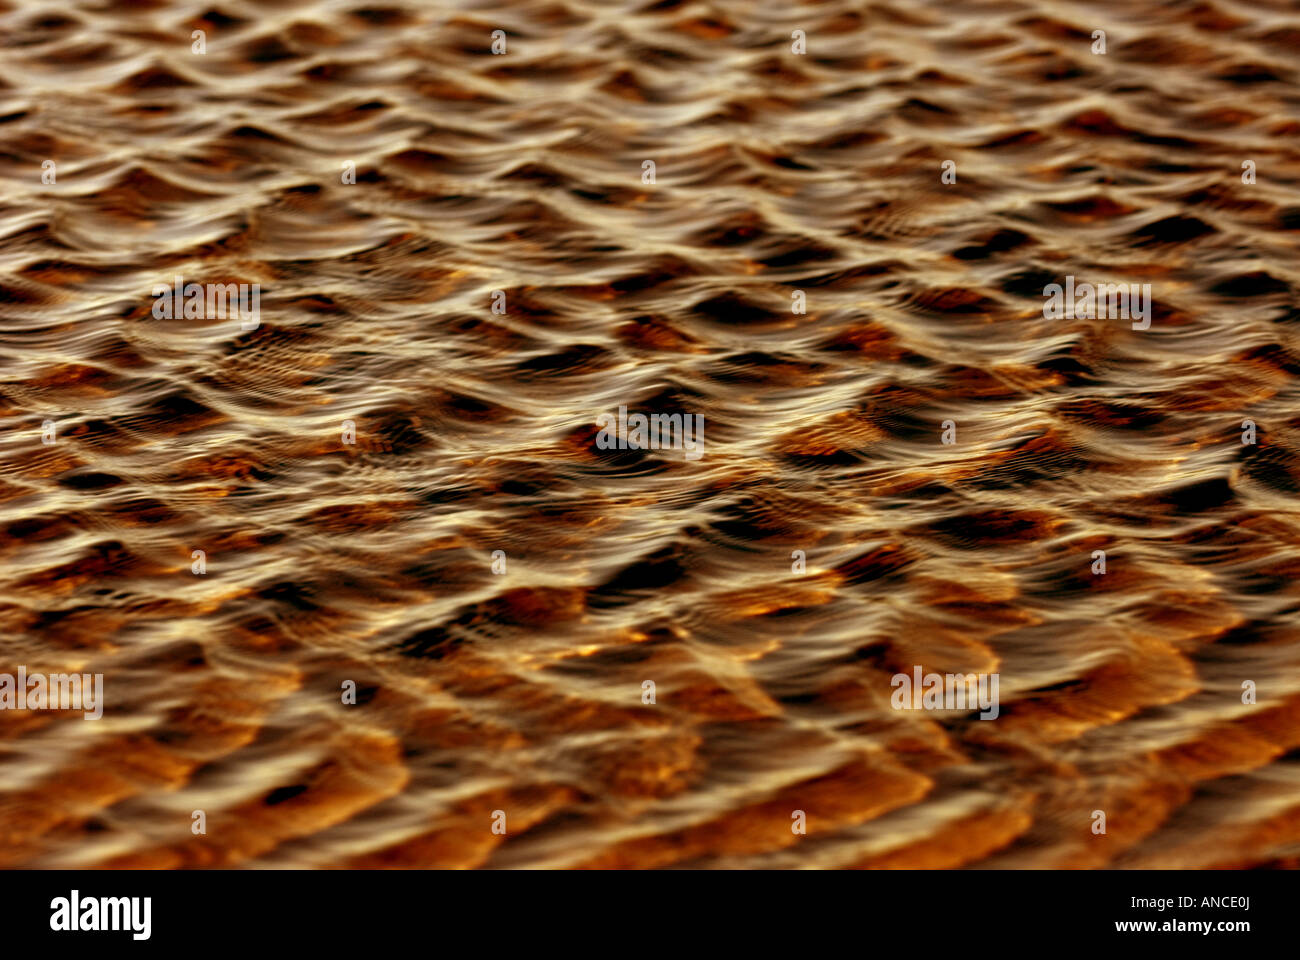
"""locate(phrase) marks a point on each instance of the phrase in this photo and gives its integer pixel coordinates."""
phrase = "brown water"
(521, 692)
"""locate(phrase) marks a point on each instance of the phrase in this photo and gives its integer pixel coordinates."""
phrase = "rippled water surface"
(521, 692)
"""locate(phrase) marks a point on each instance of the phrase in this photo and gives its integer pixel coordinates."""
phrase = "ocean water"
(387, 491)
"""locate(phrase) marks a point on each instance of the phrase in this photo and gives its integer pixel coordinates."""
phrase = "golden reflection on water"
(521, 691)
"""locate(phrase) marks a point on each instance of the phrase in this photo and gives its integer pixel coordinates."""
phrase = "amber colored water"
(371, 562)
